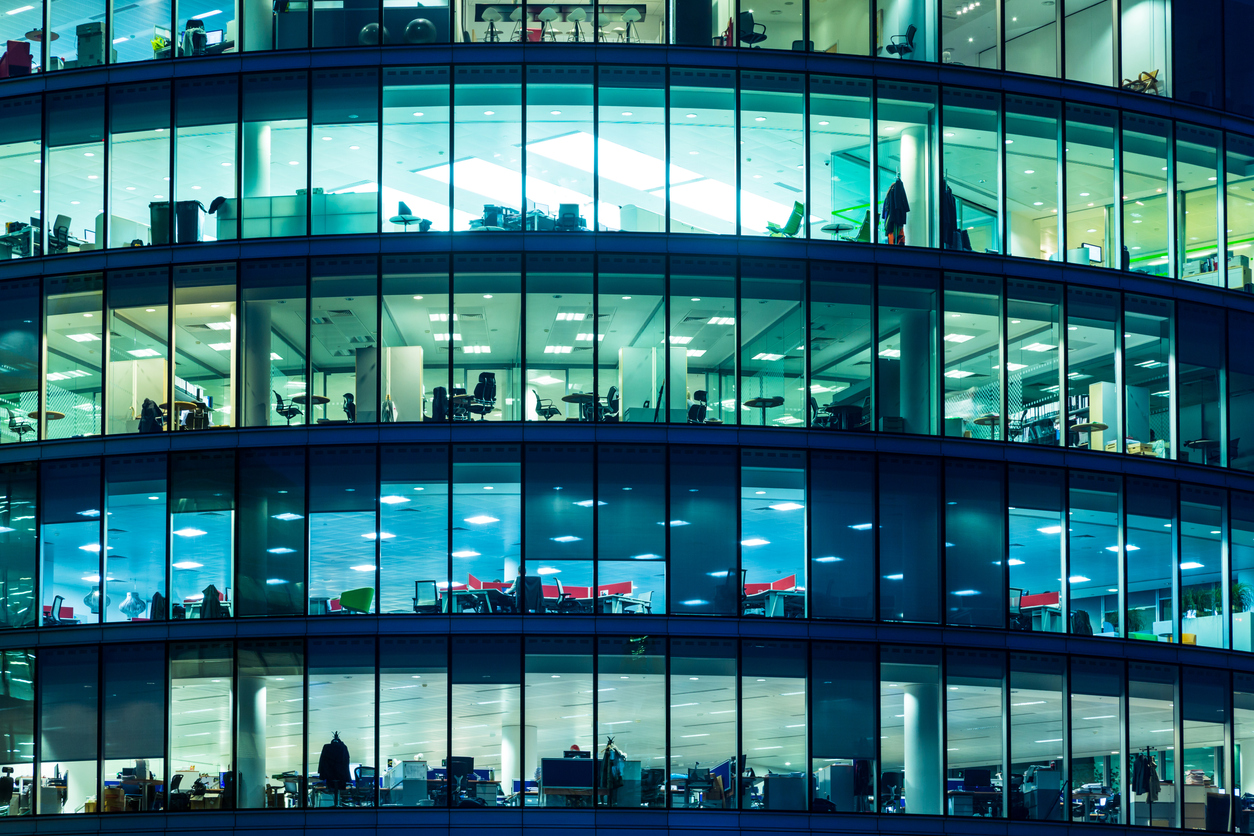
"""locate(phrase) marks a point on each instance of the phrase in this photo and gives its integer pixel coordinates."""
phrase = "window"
(221, 28)
(842, 540)
(275, 158)
(18, 715)
(1034, 374)
(1239, 214)
(139, 350)
(970, 214)
(201, 696)
(909, 539)
(1202, 618)
(275, 331)
(971, 335)
(1145, 39)
(134, 741)
(773, 533)
(773, 342)
(975, 526)
(558, 521)
(414, 361)
(1032, 131)
(487, 133)
(70, 539)
(705, 573)
(19, 544)
(139, 168)
(1037, 731)
(69, 697)
(342, 532)
(1206, 699)
(487, 526)
(559, 149)
(1095, 548)
(702, 341)
(893, 22)
(206, 124)
(561, 353)
(843, 26)
(345, 142)
(413, 695)
(1199, 370)
(907, 354)
(906, 160)
(1089, 37)
(271, 533)
(702, 188)
(206, 346)
(704, 724)
(1147, 382)
(1151, 519)
(631, 545)
(20, 142)
(1153, 691)
(1031, 35)
(483, 338)
(1037, 555)
(202, 524)
(1147, 193)
(19, 345)
(415, 102)
(135, 538)
(973, 747)
(1240, 390)
(842, 727)
(343, 341)
(1097, 720)
(631, 118)
(1197, 175)
(20, 20)
(487, 738)
(1242, 730)
(413, 498)
(270, 723)
(911, 708)
(1090, 172)
(558, 692)
(773, 725)
(840, 346)
(772, 150)
(342, 705)
(1092, 390)
(73, 356)
(631, 709)
(840, 150)
(631, 339)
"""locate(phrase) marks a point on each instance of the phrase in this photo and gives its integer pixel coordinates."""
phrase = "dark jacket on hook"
(1145, 778)
(333, 765)
(896, 206)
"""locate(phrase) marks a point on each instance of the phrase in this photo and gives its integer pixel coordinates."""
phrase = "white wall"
(1034, 52)
(1090, 45)
(1144, 40)
(839, 25)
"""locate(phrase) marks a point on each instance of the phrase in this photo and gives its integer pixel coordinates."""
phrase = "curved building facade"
(817, 416)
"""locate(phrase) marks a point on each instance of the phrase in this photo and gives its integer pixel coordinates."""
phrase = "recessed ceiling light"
(419, 113)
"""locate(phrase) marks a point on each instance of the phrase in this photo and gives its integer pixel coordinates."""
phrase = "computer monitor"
(215, 36)
(567, 773)
(577, 753)
(1095, 253)
(458, 769)
(161, 32)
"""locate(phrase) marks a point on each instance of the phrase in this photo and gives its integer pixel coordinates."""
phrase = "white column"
(922, 781)
(256, 160)
(258, 396)
(251, 757)
(914, 176)
(511, 738)
(916, 370)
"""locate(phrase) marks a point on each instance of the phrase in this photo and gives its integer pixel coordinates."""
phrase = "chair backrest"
(358, 600)
(439, 404)
(278, 400)
(568, 213)
(425, 594)
(794, 220)
(696, 413)
(700, 396)
(55, 613)
(176, 781)
(890, 781)
(611, 400)
(646, 597)
(864, 233)
(910, 32)
(529, 594)
(486, 388)
(746, 22)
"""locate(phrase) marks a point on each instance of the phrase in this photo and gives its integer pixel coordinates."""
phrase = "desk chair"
(749, 34)
(568, 218)
(608, 411)
(643, 603)
(630, 17)
(699, 780)
(357, 600)
(789, 229)
(544, 406)
(576, 17)
(426, 597)
(439, 404)
(16, 60)
(292, 789)
(20, 427)
(563, 603)
(364, 782)
(493, 35)
(59, 241)
(53, 616)
(547, 15)
(890, 792)
(653, 787)
(696, 412)
(288, 410)
(902, 45)
(864, 231)
(485, 395)
(516, 17)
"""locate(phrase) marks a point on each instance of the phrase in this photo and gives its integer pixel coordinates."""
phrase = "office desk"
(570, 796)
(1046, 618)
(618, 604)
(482, 600)
(192, 609)
(775, 603)
(974, 802)
(20, 244)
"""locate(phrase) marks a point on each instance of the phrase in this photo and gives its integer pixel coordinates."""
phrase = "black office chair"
(59, 241)
(699, 780)
(53, 617)
(890, 792)
(902, 45)
(609, 409)
(177, 801)
(458, 410)
(563, 603)
(426, 597)
(288, 411)
(20, 427)
(544, 406)
(749, 33)
(439, 404)
(528, 592)
(364, 781)
(696, 412)
(653, 787)
(568, 217)
(350, 408)
(485, 395)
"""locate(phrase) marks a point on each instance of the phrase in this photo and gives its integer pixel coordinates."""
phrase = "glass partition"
(839, 126)
(970, 191)
(415, 102)
(344, 189)
(841, 577)
(1033, 135)
(19, 545)
(1090, 179)
(558, 525)
(705, 574)
(17, 671)
(909, 539)
(630, 149)
(975, 528)
(1146, 195)
(1199, 357)
(21, 137)
(702, 178)
(272, 536)
(1034, 373)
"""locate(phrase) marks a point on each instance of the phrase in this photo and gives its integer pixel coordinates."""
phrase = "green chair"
(788, 230)
(864, 234)
(357, 600)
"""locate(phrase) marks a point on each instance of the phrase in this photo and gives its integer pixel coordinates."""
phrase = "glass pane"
(975, 523)
(70, 539)
(18, 716)
(905, 31)
(560, 349)
(1151, 512)
(630, 148)
(1033, 131)
(1097, 766)
(487, 745)
(1088, 36)
(559, 149)
(274, 320)
(773, 342)
(201, 703)
(773, 711)
(135, 539)
(1031, 38)
(1240, 390)
(139, 168)
(1242, 736)
(202, 520)
(345, 154)
(972, 340)
(703, 148)
(1239, 218)
(487, 322)
(414, 362)
(906, 160)
(345, 668)
(270, 723)
(558, 691)
(1092, 397)
(19, 352)
(840, 149)
(85, 50)
(139, 350)
(219, 28)
(413, 692)
(206, 118)
(1202, 618)
(19, 544)
(772, 150)
(134, 745)
(703, 763)
(1146, 194)
(73, 356)
(1037, 557)
(1152, 691)
(1094, 539)
(840, 26)
(1241, 582)
(842, 561)
(558, 514)
(702, 341)
(275, 157)
(69, 722)
(631, 336)
(487, 133)
(1206, 696)
(974, 748)
(906, 372)
(704, 566)
(205, 347)
(342, 534)
(631, 674)
(272, 535)
(773, 533)
(1090, 160)
(840, 345)
(1034, 373)
(842, 727)
(631, 546)
(970, 192)
(414, 496)
(487, 528)
(1037, 696)
(20, 142)
(1197, 204)
(415, 103)
(910, 708)
(1199, 370)
(1145, 38)
(27, 56)
(343, 341)
(909, 539)
(1147, 385)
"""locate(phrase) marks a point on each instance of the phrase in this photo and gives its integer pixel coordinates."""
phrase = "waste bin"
(190, 215)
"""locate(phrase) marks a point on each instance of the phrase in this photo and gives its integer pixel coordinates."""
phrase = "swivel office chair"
(609, 409)
(890, 792)
(439, 404)
(749, 34)
(350, 408)
(53, 616)
(426, 597)
(20, 427)
(902, 45)
(288, 410)
(544, 406)
(485, 395)
(59, 241)
(458, 411)
(195, 39)
(696, 412)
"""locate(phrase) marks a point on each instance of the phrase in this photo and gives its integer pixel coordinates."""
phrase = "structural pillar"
(511, 750)
(914, 166)
(257, 392)
(251, 753)
(916, 369)
(922, 783)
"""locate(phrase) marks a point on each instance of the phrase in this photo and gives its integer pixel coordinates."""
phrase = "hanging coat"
(949, 219)
(333, 765)
(611, 777)
(896, 206)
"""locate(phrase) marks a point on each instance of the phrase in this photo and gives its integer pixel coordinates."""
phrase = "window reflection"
(772, 532)
(1095, 544)
(483, 338)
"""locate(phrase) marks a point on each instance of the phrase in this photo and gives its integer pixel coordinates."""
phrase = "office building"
(796, 416)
